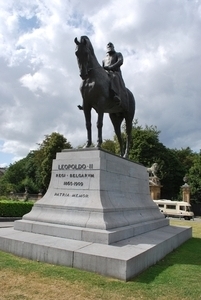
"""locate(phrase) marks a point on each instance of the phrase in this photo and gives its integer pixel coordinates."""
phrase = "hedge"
(14, 208)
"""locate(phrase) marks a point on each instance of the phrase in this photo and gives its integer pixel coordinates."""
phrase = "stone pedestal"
(97, 215)
(186, 193)
(155, 188)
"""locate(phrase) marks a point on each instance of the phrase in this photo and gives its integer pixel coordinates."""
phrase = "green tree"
(194, 176)
(50, 146)
(147, 149)
(13, 177)
(172, 175)
(31, 169)
(186, 158)
(145, 144)
(34, 171)
(109, 145)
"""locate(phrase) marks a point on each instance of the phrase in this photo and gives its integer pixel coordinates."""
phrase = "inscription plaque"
(72, 179)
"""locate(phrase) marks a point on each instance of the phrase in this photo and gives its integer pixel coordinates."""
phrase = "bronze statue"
(96, 93)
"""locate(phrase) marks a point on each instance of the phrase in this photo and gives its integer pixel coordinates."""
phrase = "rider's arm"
(116, 66)
(107, 68)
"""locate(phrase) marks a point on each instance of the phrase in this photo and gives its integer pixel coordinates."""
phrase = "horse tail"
(131, 104)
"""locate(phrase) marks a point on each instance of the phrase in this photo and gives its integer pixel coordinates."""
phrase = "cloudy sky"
(39, 79)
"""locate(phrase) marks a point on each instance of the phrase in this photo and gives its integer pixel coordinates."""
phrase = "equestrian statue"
(103, 89)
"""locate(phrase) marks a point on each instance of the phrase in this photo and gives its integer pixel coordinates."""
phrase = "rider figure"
(112, 63)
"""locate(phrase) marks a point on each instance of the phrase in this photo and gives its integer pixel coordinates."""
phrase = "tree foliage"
(194, 178)
(34, 171)
(145, 144)
(50, 146)
(109, 145)
(186, 158)
(13, 177)
(147, 149)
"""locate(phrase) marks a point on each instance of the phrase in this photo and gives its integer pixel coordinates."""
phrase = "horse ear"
(76, 41)
(85, 41)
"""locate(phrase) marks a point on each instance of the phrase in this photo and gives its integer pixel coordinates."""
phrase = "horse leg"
(87, 113)
(128, 137)
(129, 122)
(116, 121)
(99, 127)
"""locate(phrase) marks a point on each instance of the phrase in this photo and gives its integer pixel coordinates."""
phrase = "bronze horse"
(95, 90)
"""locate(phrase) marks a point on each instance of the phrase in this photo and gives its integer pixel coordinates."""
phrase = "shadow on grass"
(188, 253)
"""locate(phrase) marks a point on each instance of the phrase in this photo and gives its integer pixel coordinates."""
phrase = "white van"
(177, 209)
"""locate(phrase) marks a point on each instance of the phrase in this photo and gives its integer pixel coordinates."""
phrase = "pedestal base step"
(122, 260)
(89, 234)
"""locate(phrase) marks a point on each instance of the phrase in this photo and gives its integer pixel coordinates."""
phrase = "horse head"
(83, 50)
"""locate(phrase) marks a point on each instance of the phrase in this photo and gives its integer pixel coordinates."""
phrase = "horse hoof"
(87, 145)
(98, 146)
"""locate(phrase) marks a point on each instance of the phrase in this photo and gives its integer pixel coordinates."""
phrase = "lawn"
(177, 276)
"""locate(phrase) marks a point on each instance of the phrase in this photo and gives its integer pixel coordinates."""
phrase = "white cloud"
(39, 81)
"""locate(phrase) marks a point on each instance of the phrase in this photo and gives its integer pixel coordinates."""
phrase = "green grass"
(177, 276)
